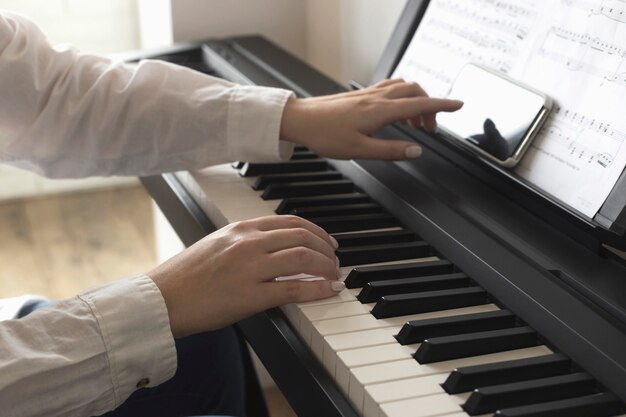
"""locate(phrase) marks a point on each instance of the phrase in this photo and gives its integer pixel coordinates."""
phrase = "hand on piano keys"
(412, 335)
(231, 274)
(340, 126)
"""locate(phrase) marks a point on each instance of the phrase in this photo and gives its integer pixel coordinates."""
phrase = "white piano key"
(331, 311)
(427, 406)
(350, 359)
(376, 354)
(377, 394)
(365, 338)
(342, 297)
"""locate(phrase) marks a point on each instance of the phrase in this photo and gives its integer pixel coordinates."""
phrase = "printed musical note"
(581, 136)
(579, 51)
(612, 9)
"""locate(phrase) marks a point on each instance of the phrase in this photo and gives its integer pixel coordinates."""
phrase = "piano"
(469, 292)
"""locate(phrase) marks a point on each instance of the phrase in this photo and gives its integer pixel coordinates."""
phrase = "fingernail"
(337, 286)
(334, 241)
(413, 152)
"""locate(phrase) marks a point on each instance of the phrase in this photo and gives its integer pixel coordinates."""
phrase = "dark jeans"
(209, 380)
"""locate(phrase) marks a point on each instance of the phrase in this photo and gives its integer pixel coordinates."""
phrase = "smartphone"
(500, 117)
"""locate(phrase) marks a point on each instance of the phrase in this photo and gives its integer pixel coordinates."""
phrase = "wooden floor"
(59, 246)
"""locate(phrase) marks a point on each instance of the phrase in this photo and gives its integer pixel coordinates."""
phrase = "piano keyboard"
(411, 335)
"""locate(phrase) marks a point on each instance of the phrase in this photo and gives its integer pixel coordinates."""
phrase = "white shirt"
(66, 114)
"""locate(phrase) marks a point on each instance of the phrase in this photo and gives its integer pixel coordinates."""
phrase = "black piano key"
(303, 154)
(237, 165)
(424, 302)
(536, 391)
(417, 331)
(437, 349)
(374, 290)
(304, 189)
(300, 148)
(382, 253)
(375, 238)
(597, 405)
(287, 167)
(264, 181)
(337, 224)
(358, 277)
(337, 210)
(287, 206)
(472, 377)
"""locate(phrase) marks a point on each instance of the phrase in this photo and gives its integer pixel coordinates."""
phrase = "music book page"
(573, 50)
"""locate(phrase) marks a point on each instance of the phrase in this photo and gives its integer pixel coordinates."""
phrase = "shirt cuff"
(253, 127)
(135, 327)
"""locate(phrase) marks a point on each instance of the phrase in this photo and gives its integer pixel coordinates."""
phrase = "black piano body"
(540, 259)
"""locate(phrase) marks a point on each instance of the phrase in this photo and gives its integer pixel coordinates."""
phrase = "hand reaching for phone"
(341, 126)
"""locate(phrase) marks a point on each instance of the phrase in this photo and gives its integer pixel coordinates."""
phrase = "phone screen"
(497, 114)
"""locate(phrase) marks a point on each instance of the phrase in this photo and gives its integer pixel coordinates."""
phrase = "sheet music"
(573, 50)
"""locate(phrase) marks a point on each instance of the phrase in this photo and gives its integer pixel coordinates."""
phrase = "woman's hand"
(340, 126)
(229, 275)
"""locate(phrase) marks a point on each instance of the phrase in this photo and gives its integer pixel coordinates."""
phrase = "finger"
(388, 82)
(409, 108)
(281, 293)
(429, 122)
(300, 260)
(277, 240)
(391, 150)
(361, 91)
(416, 122)
(407, 89)
(404, 90)
(291, 222)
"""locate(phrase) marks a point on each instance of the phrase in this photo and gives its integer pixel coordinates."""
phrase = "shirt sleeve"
(87, 355)
(67, 114)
